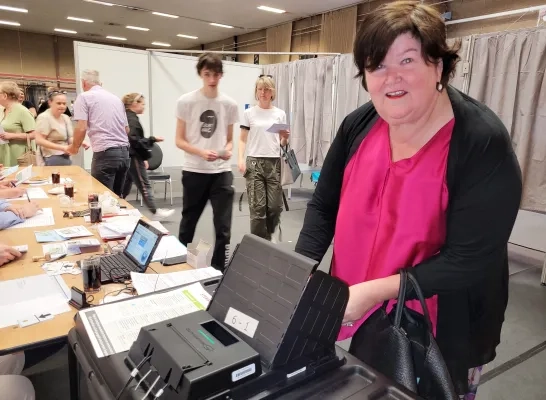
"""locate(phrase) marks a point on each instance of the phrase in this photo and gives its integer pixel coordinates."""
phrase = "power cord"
(160, 392)
(134, 373)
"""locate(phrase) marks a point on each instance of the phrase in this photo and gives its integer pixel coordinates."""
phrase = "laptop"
(135, 257)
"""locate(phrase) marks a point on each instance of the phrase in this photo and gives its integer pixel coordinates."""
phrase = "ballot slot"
(219, 333)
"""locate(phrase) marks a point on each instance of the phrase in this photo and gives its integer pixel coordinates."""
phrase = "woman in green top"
(17, 123)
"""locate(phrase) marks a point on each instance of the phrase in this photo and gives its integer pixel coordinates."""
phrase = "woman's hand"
(226, 155)
(284, 134)
(12, 193)
(146, 165)
(85, 146)
(362, 298)
(6, 136)
(159, 138)
(242, 166)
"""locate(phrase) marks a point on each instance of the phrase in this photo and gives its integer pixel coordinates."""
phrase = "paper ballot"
(276, 128)
(113, 327)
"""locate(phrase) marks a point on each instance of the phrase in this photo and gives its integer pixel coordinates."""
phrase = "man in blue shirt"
(13, 214)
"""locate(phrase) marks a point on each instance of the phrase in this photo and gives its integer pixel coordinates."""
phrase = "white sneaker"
(162, 213)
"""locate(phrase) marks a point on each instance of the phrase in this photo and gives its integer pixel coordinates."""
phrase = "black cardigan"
(137, 141)
(470, 274)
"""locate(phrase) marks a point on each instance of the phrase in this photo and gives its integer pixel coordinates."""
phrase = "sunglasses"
(55, 93)
(268, 76)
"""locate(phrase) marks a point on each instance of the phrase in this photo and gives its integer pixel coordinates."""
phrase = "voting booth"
(268, 332)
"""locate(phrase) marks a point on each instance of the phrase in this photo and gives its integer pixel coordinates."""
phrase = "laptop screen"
(142, 244)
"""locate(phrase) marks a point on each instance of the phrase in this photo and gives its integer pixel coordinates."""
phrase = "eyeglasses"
(268, 76)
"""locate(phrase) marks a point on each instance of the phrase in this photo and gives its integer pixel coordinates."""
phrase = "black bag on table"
(401, 346)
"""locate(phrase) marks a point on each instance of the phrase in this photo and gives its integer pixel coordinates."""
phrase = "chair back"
(154, 162)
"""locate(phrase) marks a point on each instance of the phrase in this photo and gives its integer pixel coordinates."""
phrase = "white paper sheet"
(276, 128)
(33, 194)
(40, 294)
(112, 328)
(169, 247)
(74, 232)
(24, 175)
(8, 171)
(43, 218)
(148, 283)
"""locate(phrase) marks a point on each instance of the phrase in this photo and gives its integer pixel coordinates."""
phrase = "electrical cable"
(160, 392)
(151, 387)
(133, 374)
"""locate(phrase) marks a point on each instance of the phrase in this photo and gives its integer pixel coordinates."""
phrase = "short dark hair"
(210, 61)
(381, 27)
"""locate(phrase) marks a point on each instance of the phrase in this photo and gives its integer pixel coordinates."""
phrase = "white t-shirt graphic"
(207, 122)
(260, 142)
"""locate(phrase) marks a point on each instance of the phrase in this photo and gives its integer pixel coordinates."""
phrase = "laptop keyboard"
(117, 266)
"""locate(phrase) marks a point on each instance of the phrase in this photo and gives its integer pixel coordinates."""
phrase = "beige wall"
(39, 57)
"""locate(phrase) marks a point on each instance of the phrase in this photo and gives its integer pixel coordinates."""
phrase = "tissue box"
(199, 254)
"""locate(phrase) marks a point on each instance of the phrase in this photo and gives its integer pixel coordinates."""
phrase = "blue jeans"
(58, 161)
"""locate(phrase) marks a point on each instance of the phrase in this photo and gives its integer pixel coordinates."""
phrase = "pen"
(12, 184)
(28, 198)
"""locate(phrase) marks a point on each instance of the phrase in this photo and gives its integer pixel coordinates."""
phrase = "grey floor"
(517, 373)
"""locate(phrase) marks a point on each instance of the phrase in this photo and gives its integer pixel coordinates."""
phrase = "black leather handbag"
(401, 346)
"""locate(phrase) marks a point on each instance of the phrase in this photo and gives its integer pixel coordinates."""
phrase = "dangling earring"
(439, 86)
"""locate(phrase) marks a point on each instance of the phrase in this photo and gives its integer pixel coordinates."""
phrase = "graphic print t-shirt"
(207, 122)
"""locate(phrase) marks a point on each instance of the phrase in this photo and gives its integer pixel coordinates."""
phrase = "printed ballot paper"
(276, 128)
(148, 283)
(113, 327)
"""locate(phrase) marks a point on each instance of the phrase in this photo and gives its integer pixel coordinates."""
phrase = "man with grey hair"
(102, 115)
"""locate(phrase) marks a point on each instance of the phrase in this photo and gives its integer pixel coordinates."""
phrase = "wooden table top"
(14, 337)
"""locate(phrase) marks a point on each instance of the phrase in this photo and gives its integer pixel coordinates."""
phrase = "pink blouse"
(391, 214)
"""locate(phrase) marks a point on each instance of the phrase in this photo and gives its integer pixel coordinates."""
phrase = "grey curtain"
(507, 74)
(460, 78)
(304, 92)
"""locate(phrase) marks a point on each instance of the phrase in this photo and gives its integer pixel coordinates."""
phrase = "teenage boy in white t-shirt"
(204, 130)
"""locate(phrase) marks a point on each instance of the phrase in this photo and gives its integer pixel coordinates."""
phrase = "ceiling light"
(15, 9)
(137, 28)
(64, 31)
(100, 2)
(271, 9)
(221, 25)
(186, 36)
(164, 15)
(115, 38)
(80, 19)
(10, 23)
(161, 44)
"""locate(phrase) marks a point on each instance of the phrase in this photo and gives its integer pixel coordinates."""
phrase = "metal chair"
(158, 176)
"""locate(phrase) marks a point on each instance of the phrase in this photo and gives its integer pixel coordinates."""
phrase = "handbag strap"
(421, 298)
(401, 299)
(405, 276)
(28, 142)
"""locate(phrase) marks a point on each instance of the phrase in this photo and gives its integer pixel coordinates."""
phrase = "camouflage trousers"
(264, 191)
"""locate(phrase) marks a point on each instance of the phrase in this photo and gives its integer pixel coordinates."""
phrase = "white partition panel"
(173, 75)
(121, 71)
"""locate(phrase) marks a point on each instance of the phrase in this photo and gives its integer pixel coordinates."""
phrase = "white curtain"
(350, 93)
(304, 92)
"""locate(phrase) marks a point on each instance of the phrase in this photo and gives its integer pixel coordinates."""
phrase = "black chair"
(154, 163)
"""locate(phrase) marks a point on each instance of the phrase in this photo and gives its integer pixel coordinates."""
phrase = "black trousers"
(197, 190)
(139, 176)
(110, 167)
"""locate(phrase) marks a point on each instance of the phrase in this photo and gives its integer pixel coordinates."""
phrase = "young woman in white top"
(260, 161)
(54, 131)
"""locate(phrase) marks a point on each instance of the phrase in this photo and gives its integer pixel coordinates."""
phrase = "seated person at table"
(8, 191)
(13, 214)
(13, 386)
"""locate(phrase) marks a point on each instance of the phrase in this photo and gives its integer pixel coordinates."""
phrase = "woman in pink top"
(425, 177)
